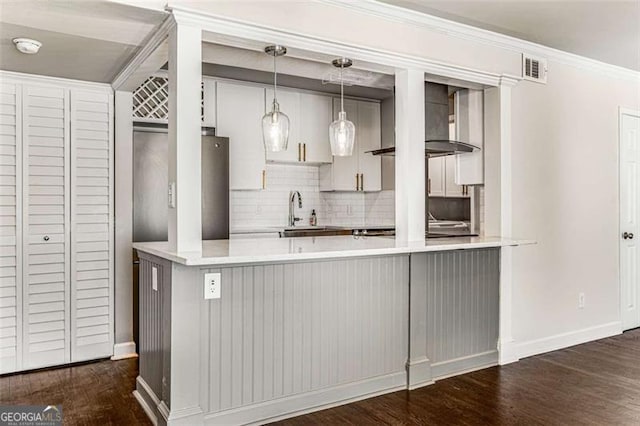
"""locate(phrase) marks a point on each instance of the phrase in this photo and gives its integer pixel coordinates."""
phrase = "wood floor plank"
(597, 383)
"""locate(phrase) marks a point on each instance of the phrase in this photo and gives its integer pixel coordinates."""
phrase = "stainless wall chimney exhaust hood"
(436, 125)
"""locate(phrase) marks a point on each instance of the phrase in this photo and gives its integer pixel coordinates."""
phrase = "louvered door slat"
(92, 225)
(45, 215)
(11, 228)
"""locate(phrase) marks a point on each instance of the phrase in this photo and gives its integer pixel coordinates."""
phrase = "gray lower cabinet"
(292, 337)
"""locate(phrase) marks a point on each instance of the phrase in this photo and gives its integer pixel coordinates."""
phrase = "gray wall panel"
(460, 317)
(286, 329)
(155, 323)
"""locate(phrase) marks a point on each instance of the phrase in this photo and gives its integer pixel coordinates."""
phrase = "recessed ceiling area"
(605, 30)
(295, 70)
(84, 40)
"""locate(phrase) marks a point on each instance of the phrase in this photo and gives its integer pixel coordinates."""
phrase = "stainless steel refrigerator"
(150, 184)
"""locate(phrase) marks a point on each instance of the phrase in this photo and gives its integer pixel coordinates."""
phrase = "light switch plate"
(154, 278)
(212, 284)
(172, 195)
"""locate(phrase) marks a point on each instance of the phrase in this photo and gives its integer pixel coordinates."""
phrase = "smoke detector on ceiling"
(534, 69)
(27, 45)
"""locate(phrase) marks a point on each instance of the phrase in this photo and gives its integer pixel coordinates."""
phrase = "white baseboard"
(308, 402)
(564, 340)
(124, 350)
(148, 410)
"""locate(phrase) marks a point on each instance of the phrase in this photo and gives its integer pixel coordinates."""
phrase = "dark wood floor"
(98, 393)
(597, 383)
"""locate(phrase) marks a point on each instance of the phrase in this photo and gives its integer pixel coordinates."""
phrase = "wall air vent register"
(534, 69)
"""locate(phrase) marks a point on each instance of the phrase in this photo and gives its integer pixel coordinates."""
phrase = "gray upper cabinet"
(56, 284)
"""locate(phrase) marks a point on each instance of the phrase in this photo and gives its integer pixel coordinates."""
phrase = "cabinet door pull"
(429, 186)
(264, 179)
(357, 181)
(361, 181)
(299, 154)
(46, 238)
(304, 152)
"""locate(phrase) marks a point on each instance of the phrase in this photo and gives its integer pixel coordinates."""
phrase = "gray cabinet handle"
(46, 238)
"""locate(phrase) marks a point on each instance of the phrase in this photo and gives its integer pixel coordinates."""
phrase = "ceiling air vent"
(534, 69)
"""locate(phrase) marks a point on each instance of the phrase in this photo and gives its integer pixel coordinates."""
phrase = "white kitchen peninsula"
(302, 323)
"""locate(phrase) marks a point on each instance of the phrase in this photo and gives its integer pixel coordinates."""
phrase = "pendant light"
(342, 132)
(275, 124)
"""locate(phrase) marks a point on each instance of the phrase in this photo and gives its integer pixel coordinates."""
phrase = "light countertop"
(259, 250)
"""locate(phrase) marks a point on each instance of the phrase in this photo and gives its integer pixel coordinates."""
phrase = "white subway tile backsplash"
(270, 207)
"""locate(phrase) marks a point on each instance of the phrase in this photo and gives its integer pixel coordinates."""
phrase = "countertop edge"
(196, 259)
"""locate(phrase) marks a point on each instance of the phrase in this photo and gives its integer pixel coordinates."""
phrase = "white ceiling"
(82, 39)
(605, 30)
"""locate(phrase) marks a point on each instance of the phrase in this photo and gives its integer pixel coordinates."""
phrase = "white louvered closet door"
(92, 225)
(10, 228)
(46, 290)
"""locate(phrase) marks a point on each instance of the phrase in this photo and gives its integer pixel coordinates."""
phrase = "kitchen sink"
(313, 231)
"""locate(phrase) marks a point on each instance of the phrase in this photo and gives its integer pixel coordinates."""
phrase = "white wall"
(565, 196)
(564, 181)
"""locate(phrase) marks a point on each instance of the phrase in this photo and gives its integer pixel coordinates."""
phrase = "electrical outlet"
(212, 283)
(581, 300)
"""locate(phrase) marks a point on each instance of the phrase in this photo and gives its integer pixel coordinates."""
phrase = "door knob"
(627, 236)
(46, 238)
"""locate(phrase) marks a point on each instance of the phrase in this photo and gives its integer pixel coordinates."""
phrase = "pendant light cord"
(341, 89)
(275, 80)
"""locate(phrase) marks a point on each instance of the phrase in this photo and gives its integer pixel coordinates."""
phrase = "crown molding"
(223, 25)
(468, 32)
(150, 48)
(20, 77)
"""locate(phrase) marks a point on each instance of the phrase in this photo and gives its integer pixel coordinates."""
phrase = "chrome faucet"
(292, 198)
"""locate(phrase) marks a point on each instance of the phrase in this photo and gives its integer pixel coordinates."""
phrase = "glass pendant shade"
(275, 124)
(342, 135)
(275, 129)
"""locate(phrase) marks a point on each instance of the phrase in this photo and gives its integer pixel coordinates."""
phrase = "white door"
(240, 109)
(45, 210)
(10, 228)
(92, 225)
(289, 102)
(630, 218)
(368, 138)
(315, 118)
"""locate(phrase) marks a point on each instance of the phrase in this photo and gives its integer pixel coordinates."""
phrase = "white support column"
(410, 160)
(185, 76)
(498, 203)
(124, 346)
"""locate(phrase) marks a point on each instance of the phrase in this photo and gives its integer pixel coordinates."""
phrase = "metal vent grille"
(534, 69)
(151, 100)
